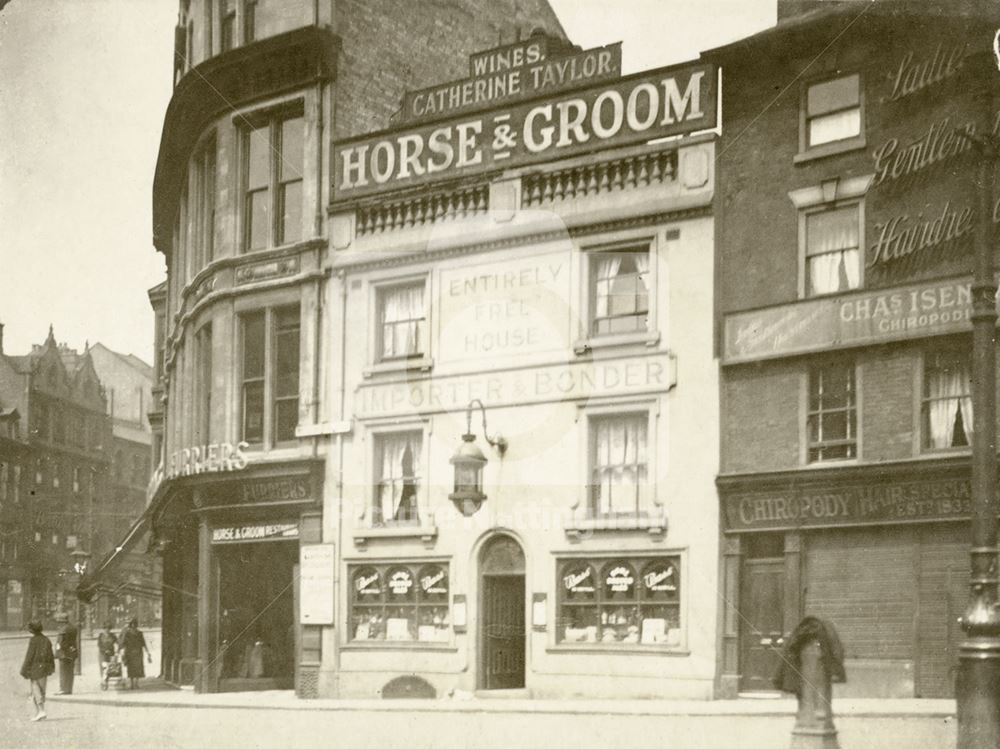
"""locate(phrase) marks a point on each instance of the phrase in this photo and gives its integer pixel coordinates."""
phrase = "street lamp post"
(977, 687)
(80, 560)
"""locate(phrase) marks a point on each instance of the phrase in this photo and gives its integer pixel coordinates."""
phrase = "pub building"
(524, 295)
(846, 216)
(242, 420)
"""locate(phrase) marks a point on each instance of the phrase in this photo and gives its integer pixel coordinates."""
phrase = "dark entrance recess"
(256, 615)
(502, 631)
(762, 609)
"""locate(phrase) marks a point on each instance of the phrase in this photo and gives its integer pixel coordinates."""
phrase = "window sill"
(647, 338)
(829, 149)
(604, 649)
(422, 364)
(656, 526)
(426, 533)
(415, 645)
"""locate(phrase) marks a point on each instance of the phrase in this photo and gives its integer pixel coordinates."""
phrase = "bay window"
(619, 602)
(272, 182)
(270, 375)
(947, 399)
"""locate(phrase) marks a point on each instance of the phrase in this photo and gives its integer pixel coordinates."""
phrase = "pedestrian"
(133, 643)
(107, 649)
(66, 652)
(39, 664)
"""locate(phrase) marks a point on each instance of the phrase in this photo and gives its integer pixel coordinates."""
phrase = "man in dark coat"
(38, 666)
(67, 652)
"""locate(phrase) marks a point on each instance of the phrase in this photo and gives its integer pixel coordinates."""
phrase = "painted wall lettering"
(918, 73)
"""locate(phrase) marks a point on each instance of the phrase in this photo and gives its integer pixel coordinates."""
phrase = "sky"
(84, 85)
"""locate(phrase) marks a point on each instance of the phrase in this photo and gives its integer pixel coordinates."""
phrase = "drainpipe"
(342, 408)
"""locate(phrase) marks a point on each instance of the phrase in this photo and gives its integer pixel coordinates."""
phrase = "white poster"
(316, 563)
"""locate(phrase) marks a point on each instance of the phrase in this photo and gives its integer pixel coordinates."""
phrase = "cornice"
(520, 240)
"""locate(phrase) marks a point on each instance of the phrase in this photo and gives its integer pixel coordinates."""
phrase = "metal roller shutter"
(862, 580)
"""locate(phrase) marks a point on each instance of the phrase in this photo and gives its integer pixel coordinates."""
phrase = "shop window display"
(400, 603)
(620, 602)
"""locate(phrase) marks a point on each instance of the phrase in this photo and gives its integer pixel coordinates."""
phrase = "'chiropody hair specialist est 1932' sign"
(634, 109)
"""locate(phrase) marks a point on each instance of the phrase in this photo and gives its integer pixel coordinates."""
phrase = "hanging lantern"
(469, 460)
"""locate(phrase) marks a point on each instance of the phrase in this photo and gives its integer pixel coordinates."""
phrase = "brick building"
(846, 214)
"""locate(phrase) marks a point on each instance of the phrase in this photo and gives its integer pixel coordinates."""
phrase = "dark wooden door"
(503, 631)
(762, 609)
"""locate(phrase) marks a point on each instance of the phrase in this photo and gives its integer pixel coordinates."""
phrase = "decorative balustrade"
(421, 210)
(640, 170)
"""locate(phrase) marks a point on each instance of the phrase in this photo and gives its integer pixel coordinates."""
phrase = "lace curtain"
(399, 472)
(619, 465)
(948, 396)
(832, 252)
(402, 316)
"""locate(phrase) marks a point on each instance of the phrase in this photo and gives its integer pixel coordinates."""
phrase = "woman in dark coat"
(39, 664)
(132, 644)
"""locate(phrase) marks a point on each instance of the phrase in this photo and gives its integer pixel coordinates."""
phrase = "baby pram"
(113, 671)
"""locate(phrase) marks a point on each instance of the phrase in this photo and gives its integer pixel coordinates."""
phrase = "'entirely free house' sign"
(635, 109)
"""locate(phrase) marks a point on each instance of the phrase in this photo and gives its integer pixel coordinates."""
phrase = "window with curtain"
(947, 401)
(402, 322)
(833, 110)
(833, 255)
(397, 478)
(832, 418)
(620, 292)
(619, 464)
(272, 183)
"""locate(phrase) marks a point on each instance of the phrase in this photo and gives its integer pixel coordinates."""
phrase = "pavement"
(164, 716)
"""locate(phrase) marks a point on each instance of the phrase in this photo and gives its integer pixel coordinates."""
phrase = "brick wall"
(387, 51)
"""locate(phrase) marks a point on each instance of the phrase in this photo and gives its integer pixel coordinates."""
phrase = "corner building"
(243, 331)
(846, 219)
(560, 298)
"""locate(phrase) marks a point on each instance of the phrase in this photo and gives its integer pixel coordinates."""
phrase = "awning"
(99, 581)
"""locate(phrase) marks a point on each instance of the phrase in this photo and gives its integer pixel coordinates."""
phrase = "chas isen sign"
(654, 104)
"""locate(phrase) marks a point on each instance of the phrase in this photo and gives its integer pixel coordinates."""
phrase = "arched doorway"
(501, 624)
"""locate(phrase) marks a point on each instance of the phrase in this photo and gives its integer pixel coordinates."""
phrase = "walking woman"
(39, 665)
(132, 644)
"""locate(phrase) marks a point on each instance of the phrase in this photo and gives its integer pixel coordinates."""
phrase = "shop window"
(832, 250)
(203, 168)
(270, 371)
(272, 205)
(400, 603)
(397, 478)
(633, 601)
(619, 285)
(249, 21)
(402, 322)
(947, 399)
(832, 113)
(227, 20)
(619, 464)
(832, 416)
